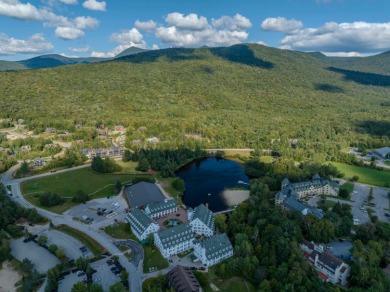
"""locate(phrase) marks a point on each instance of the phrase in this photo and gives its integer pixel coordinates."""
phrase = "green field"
(68, 183)
(348, 186)
(120, 231)
(266, 159)
(366, 175)
(153, 258)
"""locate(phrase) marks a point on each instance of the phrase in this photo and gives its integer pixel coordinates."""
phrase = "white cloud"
(237, 22)
(83, 22)
(125, 39)
(15, 9)
(287, 26)
(71, 2)
(192, 30)
(155, 47)
(132, 36)
(188, 22)
(79, 50)
(95, 5)
(36, 44)
(148, 26)
(344, 54)
(360, 37)
(66, 28)
(69, 33)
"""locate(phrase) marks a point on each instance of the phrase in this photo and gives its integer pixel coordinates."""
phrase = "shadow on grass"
(328, 88)
(363, 77)
(241, 54)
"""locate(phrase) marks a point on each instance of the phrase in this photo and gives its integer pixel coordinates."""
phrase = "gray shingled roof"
(204, 215)
(173, 236)
(161, 206)
(143, 193)
(330, 260)
(183, 280)
(294, 204)
(216, 246)
(139, 220)
(383, 151)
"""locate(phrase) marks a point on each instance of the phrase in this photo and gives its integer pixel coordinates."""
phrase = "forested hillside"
(241, 96)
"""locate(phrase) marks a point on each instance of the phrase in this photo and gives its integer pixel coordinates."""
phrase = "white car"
(96, 279)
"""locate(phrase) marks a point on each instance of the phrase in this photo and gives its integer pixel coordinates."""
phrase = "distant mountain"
(49, 61)
(11, 66)
(130, 51)
(379, 64)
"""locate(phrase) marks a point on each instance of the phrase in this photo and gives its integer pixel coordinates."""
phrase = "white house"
(202, 220)
(160, 209)
(174, 240)
(213, 250)
(329, 267)
(141, 224)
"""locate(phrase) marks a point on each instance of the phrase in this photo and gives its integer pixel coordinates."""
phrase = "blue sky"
(104, 28)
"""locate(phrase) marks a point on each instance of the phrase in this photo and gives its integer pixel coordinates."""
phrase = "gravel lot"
(67, 283)
(41, 258)
(341, 249)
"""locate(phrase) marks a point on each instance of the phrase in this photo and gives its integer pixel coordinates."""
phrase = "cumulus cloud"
(193, 30)
(66, 28)
(155, 47)
(69, 33)
(237, 22)
(148, 26)
(95, 5)
(344, 54)
(79, 50)
(360, 37)
(125, 39)
(71, 2)
(287, 26)
(188, 22)
(36, 44)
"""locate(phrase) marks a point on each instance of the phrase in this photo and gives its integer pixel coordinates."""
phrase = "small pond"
(206, 179)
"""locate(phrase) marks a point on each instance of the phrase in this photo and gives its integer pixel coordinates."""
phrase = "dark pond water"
(210, 176)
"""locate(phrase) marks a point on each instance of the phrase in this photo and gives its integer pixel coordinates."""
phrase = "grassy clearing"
(90, 243)
(128, 167)
(155, 284)
(366, 175)
(120, 231)
(266, 159)
(230, 285)
(68, 183)
(59, 209)
(166, 183)
(349, 186)
(153, 259)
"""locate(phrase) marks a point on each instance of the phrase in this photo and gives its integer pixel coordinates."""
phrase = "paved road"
(102, 238)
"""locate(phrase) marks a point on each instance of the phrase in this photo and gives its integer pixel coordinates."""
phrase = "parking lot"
(341, 248)
(42, 259)
(103, 276)
(70, 244)
(114, 208)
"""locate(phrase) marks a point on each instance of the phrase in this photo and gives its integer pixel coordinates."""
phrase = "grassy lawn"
(123, 247)
(59, 209)
(230, 285)
(166, 183)
(349, 186)
(120, 231)
(155, 284)
(328, 204)
(266, 159)
(153, 259)
(184, 254)
(90, 243)
(366, 175)
(128, 167)
(68, 183)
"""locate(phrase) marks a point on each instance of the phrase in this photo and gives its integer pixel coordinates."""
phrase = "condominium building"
(141, 224)
(213, 250)
(160, 209)
(174, 240)
(202, 220)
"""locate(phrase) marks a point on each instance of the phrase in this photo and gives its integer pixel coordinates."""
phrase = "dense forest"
(266, 242)
(242, 96)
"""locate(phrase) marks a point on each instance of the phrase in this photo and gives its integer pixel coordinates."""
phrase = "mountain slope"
(50, 61)
(10, 66)
(241, 96)
(130, 51)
